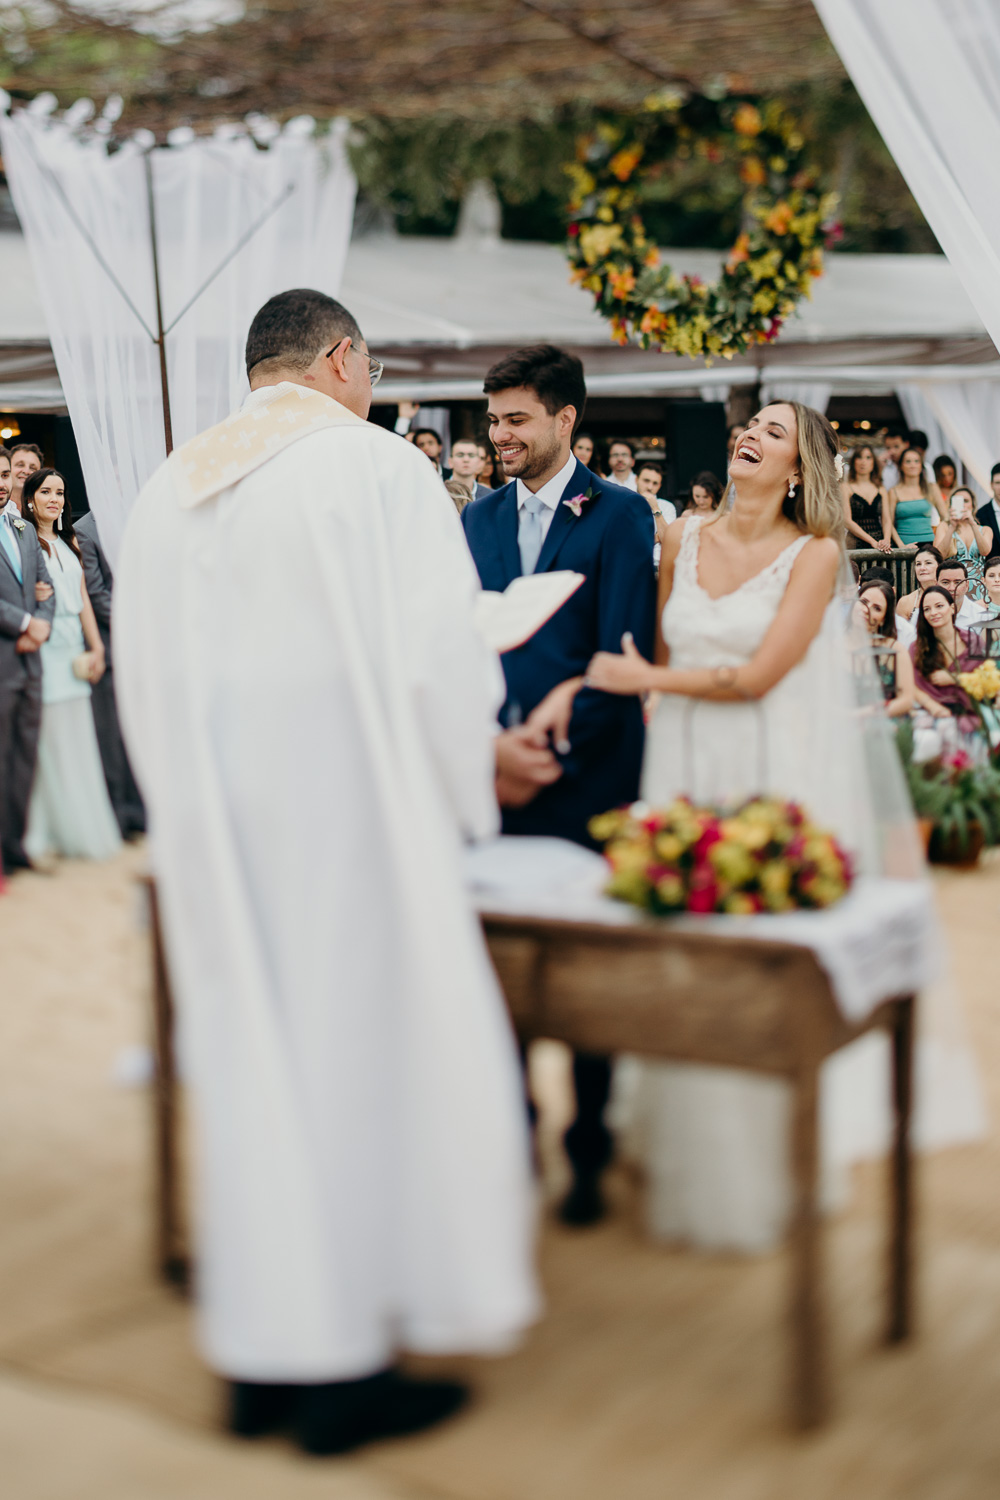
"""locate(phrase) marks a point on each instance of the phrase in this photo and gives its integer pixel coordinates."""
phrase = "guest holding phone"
(962, 535)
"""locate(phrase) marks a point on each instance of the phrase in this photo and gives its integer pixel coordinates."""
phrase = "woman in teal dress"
(70, 812)
(962, 536)
(915, 507)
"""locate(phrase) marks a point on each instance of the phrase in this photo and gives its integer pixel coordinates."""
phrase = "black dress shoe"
(584, 1203)
(256, 1408)
(344, 1414)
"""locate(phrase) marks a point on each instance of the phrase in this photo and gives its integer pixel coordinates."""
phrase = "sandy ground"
(655, 1373)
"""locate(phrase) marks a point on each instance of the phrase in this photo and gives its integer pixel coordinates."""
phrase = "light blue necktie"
(529, 533)
(11, 548)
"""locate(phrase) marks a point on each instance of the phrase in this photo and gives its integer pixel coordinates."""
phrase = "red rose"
(711, 836)
(704, 889)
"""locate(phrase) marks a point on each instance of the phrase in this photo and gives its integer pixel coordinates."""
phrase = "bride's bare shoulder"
(820, 556)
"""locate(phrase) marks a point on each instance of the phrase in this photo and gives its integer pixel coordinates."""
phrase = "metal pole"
(160, 340)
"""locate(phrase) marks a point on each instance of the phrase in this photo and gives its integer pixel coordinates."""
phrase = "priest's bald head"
(311, 339)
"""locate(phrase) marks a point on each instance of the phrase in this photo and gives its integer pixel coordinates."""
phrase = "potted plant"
(957, 797)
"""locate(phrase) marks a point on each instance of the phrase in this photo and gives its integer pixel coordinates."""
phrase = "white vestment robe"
(310, 711)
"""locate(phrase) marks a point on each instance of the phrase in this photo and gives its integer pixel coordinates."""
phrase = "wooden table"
(661, 991)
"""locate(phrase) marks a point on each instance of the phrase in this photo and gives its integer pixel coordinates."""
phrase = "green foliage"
(953, 792)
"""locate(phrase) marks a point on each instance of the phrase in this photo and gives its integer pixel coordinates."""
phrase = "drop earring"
(791, 489)
(59, 522)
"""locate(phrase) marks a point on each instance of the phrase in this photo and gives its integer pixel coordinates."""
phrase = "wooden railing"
(899, 562)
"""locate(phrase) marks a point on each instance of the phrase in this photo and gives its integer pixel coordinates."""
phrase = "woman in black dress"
(866, 505)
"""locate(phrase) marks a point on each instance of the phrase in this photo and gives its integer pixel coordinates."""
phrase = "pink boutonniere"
(577, 502)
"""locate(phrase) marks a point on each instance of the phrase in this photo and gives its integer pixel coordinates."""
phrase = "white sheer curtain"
(815, 393)
(929, 74)
(286, 200)
(969, 414)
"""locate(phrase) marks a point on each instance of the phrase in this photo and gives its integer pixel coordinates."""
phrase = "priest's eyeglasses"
(375, 366)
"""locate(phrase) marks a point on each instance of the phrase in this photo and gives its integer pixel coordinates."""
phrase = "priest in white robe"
(310, 712)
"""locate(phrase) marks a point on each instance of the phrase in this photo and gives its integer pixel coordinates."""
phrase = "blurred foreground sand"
(655, 1373)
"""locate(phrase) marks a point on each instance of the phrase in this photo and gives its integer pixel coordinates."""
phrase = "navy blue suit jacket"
(611, 543)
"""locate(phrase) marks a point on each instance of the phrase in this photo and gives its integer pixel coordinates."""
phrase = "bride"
(751, 678)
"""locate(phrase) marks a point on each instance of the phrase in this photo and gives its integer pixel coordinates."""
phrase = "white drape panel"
(968, 412)
(921, 417)
(208, 193)
(815, 393)
(929, 74)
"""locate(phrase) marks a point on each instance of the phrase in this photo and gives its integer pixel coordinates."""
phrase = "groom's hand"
(524, 766)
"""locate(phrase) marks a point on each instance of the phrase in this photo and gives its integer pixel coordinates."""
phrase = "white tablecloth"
(880, 941)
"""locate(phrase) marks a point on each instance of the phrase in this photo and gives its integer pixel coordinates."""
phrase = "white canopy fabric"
(286, 211)
(929, 74)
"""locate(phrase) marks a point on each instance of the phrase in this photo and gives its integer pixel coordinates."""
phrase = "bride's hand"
(626, 674)
(552, 715)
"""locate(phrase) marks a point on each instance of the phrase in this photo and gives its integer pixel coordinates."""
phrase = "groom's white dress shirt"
(550, 494)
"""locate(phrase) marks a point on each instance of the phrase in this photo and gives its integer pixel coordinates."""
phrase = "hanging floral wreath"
(768, 270)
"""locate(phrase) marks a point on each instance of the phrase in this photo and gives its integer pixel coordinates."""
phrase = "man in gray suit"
(124, 794)
(25, 623)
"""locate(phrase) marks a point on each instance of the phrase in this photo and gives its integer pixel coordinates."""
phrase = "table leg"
(808, 1369)
(901, 1232)
(170, 1258)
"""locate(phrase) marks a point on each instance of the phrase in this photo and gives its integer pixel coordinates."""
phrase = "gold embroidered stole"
(225, 454)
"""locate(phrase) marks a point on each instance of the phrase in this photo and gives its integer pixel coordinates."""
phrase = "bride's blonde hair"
(815, 505)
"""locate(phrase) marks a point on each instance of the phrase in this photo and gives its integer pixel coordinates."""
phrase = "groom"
(556, 514)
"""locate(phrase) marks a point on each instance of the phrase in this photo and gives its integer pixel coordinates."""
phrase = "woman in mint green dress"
(915, 506)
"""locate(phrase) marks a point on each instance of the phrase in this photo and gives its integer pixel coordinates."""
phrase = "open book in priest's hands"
(509, 619)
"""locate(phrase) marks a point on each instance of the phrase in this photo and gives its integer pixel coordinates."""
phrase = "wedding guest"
(488, 468)
(125, 798)
(940, 651)
(897, 440)
(878, 607)
(465, 466)
(952, 575)
(27, 605)
(583, 449)
(945, 476)
(429, 443)
(989, 514)
(555, 513)
(991, 581)
(621, 462)
(405, 413)
(866, 504)
(960, 535)
(25, 459)
(70, 811)
(460, 493)
(914, 505)
(706, 492)
(926, 561)
(648, 484)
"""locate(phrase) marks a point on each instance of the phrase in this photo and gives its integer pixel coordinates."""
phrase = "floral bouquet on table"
(764, 856)
(983, 683)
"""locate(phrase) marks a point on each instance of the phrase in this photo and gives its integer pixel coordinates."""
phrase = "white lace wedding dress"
(714, 1140)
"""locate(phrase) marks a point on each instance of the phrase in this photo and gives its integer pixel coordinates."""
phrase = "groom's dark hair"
(555, 377)
(292, 328)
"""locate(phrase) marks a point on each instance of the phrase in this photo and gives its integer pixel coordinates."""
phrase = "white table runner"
(881, 940)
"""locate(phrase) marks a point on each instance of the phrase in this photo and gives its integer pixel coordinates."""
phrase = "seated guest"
(878, 608)
(25, 459)
(989, 514)
(122, 790)
(991, 582)
(460, 493)
(465, 466)
(27, 605)
(945, 476)
(706, 492)
(866, 504)
(70, 812)
(487, 475)
(926, 562)
(648, 483)
(940, 651)
(961, 535)
(953, 576)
